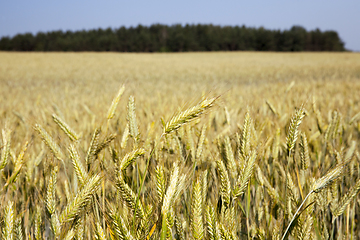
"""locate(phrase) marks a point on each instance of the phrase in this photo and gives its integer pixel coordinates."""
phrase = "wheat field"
(227, 145)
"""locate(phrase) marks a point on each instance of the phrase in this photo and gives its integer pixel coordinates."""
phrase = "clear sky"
(20, 16)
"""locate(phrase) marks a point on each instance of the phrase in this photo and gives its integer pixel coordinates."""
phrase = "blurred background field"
(163, 82)
(260, 94)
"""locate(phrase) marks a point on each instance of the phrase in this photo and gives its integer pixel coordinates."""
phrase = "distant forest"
(177, 38)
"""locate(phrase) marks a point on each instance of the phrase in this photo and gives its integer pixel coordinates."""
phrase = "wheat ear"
(350, 152)
(245, 175)
(92, 148)
(119, 226)
(328, 178)
(73, 136)
(125, 137)
(81, 173)
(318, 185)
(18, 231)
(6, 134)
(297, 211)
(50, 193)
(129, 197)
(112, 108)
(293, 129)
(230, 159)
(38, 231)
(304, 152)
(188, 115)
(143, 229)
(171, 189)
(70, 235)
(272, 108)
(245, 137)
(160, 183)
(104, 143)
(196, 212)
(55, 225)
(130, 157)
(8, 230)
(211, 223)
(81, 200)
(168, 199)
(18, 165)
(346, 199)
(179, 228)
(169, 219)
(200, 144)
(225, 188)
(55, 149)
(133, 127)
(99, 233)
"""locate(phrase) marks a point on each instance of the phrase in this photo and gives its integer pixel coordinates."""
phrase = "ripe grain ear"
(115, 102)
(188, 115)
(294, 129)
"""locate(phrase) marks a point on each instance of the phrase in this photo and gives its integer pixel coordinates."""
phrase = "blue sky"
(20, 16)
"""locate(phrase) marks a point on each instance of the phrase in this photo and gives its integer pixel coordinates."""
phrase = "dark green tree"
(177, 38)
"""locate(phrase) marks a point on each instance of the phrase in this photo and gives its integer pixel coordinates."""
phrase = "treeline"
(177, 38)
